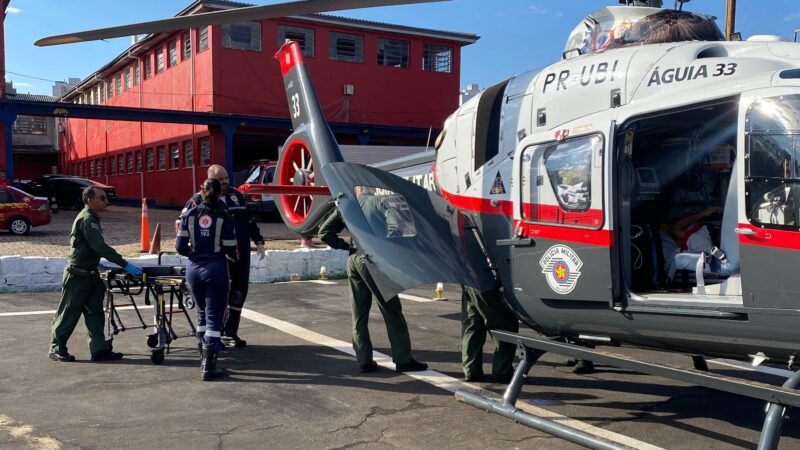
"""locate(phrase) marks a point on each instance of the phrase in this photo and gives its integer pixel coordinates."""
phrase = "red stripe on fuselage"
(289, 55)
(600, 238)
(768, 237)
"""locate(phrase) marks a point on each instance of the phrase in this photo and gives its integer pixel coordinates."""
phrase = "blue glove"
(133, 270)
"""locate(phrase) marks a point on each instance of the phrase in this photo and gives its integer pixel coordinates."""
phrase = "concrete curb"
(41, 274)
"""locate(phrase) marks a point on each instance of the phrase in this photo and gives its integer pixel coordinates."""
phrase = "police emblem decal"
(204, 221)
(235, 199)
(561, 268)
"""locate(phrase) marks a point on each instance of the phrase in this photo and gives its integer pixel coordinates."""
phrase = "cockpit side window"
(562, 181)
(772, 172)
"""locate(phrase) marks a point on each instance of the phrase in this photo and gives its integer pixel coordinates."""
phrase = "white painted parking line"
(23, 432)
(53, 311)
(414, 298)
(307, 281)
(438, 379)
(785, 373)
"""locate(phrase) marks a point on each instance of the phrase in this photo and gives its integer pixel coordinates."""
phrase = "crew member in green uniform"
(481, 312)
(82, 290)
(363, 288)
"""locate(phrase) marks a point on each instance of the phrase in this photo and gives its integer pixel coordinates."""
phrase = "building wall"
(236, 81)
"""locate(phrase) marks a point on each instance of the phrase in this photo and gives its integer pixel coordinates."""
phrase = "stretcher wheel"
(152, 340)
(188, 302)
(157, 357)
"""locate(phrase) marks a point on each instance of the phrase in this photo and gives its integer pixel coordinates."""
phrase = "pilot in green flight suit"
(82, 290)
(480, 312)
(363, 288)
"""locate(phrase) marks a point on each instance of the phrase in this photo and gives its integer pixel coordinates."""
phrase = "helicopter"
(643, 190)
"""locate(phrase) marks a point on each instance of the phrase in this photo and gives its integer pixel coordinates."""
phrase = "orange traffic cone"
(155, 244)
(144, 240)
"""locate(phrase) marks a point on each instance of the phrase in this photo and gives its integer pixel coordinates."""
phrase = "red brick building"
(377, 83)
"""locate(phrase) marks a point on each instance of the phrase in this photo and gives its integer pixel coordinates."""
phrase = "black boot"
(208, 365)
(230, 333)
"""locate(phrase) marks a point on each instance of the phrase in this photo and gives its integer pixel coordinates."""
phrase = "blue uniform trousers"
(208, 283)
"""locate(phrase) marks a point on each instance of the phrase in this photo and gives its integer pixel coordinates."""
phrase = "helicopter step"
(531, 349)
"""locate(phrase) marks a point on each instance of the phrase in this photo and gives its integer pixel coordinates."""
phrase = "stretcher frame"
(157, 287)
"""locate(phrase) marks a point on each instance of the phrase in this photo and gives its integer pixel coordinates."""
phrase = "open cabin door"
(769, 218)
(563, 245)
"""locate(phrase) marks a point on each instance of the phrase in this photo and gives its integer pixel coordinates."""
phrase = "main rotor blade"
(218, 17)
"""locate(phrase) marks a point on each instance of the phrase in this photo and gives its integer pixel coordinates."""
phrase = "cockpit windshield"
(616, 27)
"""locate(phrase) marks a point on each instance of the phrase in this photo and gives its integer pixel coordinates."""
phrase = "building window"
(136, 73)
(112, 165)
(118, 84)
(188, 154)
(100, 94)
(148, 67)
(91, 168)
(30, 125)
(202, 42)
(148, 152)
(120, 164)
(130, 162)
(174, 156)
(110, 88)
(242, 36)
(162, 157)
(205, 151)
(187, 45)
(159, 60)
(346, 47)
(304, 36)
(127, 79)
(173, 53)
(392, 53)
(138, 160)
(101, 167)
(436, 58)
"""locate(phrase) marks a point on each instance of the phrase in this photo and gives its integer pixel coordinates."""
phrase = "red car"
(19, 211)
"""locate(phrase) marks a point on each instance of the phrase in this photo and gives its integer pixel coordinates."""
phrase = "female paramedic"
(206, 236)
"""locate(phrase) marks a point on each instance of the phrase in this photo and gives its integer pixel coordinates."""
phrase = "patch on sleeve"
(96, 226)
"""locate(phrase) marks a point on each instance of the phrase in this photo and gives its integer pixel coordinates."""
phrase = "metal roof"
(205, 5)
(31, 97)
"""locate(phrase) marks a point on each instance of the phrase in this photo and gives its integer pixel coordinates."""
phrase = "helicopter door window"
(387, 212)
(773, 170)
(560, 186)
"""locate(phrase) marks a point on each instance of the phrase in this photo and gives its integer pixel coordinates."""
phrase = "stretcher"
(163, 287)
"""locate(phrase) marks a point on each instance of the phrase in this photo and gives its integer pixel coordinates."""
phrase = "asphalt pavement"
(296, 385)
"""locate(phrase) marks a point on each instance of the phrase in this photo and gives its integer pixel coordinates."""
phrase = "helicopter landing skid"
(529, 350)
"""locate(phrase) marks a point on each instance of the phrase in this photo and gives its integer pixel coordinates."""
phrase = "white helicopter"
(643, 190)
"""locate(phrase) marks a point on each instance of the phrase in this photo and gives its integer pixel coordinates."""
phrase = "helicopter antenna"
(679, 4)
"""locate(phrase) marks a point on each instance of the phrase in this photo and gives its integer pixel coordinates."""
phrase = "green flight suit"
(362, 289)
(82, 291)
(480, 312)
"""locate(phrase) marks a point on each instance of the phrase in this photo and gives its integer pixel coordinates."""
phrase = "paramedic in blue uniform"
(206, 237)
(234, 203)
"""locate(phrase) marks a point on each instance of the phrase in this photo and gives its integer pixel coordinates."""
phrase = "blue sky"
(516, 35)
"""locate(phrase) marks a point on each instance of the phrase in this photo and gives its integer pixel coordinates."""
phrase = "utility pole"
(730, 19)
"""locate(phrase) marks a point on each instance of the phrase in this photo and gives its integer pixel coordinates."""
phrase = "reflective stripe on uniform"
(183, 233)
(233, 308)
(213, 333)
(201, 328)
(236, 208)
(218, 235)
(191, 232)
(229, 242)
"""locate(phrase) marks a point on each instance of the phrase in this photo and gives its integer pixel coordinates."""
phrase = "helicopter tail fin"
(310, 147)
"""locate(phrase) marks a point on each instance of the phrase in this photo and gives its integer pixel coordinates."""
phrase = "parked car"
(262, 172)
(19, 210)
(66, 189)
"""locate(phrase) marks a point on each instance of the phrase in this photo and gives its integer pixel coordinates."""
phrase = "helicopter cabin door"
(769, 223)
(563, 243)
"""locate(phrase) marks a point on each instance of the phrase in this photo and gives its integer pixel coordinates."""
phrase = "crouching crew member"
(82, 290)
(206, 237)
(235, 205)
